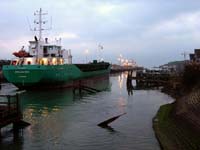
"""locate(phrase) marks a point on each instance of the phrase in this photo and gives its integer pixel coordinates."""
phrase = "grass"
(174, 134)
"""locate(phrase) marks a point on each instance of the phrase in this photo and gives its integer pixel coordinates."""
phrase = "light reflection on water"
(61, 120)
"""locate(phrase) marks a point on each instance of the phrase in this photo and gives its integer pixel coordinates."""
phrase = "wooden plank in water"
(108, 121)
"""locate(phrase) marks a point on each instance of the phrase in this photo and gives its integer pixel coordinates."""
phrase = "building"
(195, 56)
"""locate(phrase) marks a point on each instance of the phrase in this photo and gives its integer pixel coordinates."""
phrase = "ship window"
(49, 62)
(61, 61)
(21, 62)
(41, 62)
(45, 50)
(50, 48)
(33, 46)
(53, 55)
(54, 61)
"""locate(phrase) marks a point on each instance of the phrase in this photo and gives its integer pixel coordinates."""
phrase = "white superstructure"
(41, 51)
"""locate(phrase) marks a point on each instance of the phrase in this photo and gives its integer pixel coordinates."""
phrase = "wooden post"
(8, 96)
(18, 105)
(0, 134)
(0, 83)
(74, 91)
(80, 90)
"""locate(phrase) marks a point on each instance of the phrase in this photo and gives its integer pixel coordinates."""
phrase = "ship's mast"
(39, 22)
(38, 27)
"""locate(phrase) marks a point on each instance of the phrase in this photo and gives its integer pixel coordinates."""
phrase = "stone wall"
(188, 108)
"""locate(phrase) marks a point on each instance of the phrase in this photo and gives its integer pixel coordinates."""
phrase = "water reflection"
(44, 108)
(120, 80)
(61, 119)
(43, 103)
(129, 86)
(110, 129)
(11, 139)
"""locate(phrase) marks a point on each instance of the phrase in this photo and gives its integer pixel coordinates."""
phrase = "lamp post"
(86, 54)
(120, 59)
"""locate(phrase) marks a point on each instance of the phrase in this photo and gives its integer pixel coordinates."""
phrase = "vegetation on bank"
(191, 75)
(177, 125)
(172, 133)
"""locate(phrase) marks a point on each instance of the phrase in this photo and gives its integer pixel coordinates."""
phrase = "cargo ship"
(48, 65)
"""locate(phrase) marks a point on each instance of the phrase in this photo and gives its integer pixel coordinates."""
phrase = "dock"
(119, 69)
(10, 112)
(150, 77)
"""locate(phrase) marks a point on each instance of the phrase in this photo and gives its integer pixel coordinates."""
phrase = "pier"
(10, 112)
(149, 77)
(118, 68)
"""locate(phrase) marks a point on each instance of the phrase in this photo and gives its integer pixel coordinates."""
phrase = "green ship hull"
(32, 76)
(47, 64)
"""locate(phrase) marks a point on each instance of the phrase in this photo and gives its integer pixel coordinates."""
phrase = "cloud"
(107, 9)
(135, 28)
(68, 35)
(181, 23)
(8, 46)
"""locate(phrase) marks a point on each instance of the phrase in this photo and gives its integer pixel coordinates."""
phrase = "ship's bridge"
(48, 50)
(52, 50)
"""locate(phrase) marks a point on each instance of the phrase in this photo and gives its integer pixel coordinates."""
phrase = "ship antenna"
(39, 22)
(39, 27)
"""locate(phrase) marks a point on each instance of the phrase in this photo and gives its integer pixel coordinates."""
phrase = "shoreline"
(172, 126)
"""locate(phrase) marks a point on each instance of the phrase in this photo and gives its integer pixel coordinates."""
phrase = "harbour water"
(64, 119)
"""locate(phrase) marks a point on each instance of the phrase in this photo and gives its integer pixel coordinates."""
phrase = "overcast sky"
(152, 32)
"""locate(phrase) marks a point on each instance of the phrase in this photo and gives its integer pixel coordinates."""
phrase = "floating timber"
(105, 123)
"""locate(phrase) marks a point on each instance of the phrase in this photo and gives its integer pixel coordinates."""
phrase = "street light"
(86, 53)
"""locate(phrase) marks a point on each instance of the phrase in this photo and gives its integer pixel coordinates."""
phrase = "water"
(62, 120)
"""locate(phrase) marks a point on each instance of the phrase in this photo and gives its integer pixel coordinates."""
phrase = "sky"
(151, 32)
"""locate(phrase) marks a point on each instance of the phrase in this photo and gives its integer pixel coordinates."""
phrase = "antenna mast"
(39, 22)
(38, 27)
